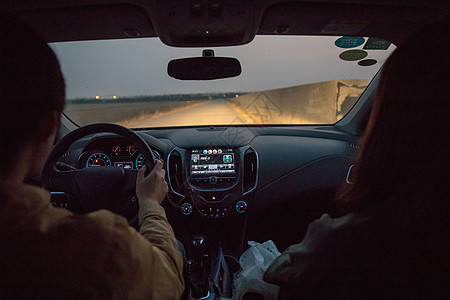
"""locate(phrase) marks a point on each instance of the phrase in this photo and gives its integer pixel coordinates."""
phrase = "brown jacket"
(49, 253)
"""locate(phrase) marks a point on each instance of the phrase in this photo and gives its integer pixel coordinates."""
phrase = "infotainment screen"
(212, 162)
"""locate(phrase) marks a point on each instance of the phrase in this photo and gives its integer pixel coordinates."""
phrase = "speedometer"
(98, 160)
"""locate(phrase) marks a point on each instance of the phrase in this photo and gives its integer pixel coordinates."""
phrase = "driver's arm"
(164, 267)
(146, 263)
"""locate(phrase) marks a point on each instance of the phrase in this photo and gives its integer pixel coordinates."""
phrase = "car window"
(284, 80)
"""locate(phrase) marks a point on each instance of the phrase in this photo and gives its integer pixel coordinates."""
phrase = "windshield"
(284, 80)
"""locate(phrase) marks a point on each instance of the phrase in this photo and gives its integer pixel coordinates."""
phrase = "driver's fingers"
(141, 173)
(160, 170)
(157, 170)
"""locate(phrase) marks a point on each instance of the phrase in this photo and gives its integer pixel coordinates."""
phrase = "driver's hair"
(31, 85)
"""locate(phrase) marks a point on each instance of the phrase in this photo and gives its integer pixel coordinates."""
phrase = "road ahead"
(214, 112)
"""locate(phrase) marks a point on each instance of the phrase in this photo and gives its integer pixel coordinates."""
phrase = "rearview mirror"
(204, 68)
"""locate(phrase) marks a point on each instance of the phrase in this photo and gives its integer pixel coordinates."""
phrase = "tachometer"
(98, 160)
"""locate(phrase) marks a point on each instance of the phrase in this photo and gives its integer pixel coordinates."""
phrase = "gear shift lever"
(198, 268)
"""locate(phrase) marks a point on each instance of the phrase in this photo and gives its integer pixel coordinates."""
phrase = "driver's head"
(31, 88)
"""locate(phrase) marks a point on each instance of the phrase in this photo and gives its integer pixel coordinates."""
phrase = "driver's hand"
(154, 186)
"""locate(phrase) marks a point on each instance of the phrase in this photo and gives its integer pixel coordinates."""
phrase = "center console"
(212, 181)
(211, 189)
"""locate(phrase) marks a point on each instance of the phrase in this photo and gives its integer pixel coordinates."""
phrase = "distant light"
(237, 95)
(114, 97)
(97, 97)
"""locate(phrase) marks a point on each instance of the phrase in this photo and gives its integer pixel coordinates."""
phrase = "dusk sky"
(132, 67)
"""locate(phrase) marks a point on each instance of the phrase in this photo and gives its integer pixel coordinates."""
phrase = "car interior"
(299, 76)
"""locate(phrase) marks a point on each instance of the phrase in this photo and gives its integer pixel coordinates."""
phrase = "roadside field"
(123, 113)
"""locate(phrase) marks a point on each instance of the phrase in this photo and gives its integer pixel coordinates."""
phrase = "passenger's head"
(31, 88)
(404, 154)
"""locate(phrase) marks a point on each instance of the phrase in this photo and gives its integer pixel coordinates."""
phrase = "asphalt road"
(214, 112)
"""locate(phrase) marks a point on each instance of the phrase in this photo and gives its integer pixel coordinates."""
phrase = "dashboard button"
(213, 180)
(213, 198)
(213, 212)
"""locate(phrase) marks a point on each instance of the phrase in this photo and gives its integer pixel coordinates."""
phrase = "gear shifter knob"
(198, 266)
(198, 246)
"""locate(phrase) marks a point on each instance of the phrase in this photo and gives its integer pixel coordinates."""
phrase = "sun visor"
(75, 23)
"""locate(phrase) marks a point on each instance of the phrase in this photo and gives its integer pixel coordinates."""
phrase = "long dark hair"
(403, 161)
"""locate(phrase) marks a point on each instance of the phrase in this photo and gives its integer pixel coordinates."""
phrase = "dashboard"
(235, 183)
(214, 171)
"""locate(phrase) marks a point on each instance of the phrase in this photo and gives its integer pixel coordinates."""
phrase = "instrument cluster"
(112, 152)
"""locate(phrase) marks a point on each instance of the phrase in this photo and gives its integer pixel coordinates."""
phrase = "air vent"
(250, 169)
(353, 145)
(65, 154)
(175, 172)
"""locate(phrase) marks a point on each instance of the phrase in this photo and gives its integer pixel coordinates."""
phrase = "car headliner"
(235, 22)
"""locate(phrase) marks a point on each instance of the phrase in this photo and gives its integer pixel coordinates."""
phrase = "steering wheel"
(109, 187)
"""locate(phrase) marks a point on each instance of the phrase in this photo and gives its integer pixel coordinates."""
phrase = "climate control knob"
(241, 206)
(186, 208)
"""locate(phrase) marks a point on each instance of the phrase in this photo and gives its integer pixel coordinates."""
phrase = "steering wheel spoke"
(63, 181)
(129, 183)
